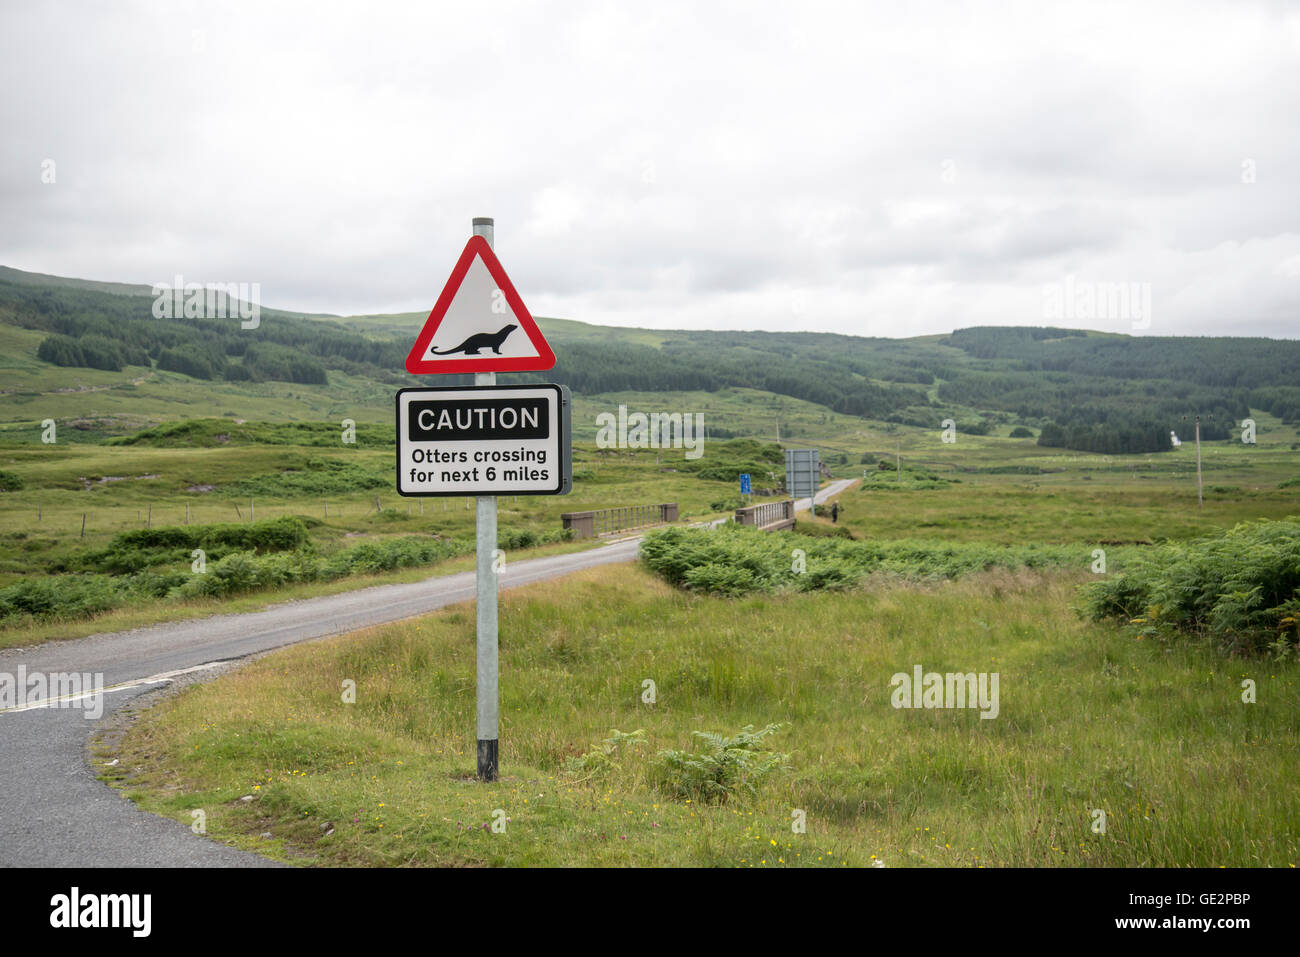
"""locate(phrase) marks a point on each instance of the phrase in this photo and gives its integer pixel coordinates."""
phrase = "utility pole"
(1200, 501)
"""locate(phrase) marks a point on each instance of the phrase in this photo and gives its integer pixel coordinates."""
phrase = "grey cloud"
(669, 164)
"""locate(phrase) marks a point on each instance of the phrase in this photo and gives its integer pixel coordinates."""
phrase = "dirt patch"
(88, 483)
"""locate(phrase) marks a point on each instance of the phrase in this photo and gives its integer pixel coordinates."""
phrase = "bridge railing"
(605, 521)
(770, 516)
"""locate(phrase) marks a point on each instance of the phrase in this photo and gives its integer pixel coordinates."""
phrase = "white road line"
(161, 678)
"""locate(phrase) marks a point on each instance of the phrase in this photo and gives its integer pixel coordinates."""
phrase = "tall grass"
(1157, 738)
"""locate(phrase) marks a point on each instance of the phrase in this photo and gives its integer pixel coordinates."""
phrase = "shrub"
(734, 559)
(886, 478)
(10, 481)
(273, 535)
(1020, 432)
(819, 530)
(723, 768)
(374, 557)
(1240, 588)
(231, 575)
(62, 597)
(606, 756)
(242, 570)
(158, 585)
(319, 476)
(824, 578)
(721, 579)
(511, 539)
(519, 538)
(142, 548)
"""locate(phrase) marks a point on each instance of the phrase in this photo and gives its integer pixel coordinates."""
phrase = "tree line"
(1085, 391)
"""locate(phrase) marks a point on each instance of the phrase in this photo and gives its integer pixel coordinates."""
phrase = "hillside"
(65, 340)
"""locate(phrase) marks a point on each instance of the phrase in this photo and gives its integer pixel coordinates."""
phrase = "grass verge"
(1090, 719)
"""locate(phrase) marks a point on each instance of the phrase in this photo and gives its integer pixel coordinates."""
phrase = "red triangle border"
(416, 364)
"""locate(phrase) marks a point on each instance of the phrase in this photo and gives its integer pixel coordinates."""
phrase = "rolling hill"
(93, 353)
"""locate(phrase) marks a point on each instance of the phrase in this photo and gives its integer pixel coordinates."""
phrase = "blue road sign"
(744, 483)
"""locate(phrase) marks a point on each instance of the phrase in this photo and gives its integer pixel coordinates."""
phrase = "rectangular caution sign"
(484, 440)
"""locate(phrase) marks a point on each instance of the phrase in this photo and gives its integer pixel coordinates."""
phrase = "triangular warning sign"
(479, 323)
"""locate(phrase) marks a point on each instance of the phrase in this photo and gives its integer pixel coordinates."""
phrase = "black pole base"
(487, 759)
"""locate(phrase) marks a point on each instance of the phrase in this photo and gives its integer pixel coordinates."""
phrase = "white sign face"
(479, 322)
(484, 440)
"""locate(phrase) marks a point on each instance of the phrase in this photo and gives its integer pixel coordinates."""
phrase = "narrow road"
(53, 811)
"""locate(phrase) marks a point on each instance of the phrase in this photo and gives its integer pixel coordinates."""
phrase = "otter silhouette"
(482, 340)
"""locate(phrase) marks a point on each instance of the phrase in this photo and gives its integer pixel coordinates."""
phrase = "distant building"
(1173, 439)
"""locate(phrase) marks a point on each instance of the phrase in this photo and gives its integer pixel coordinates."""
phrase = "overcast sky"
(888, 168)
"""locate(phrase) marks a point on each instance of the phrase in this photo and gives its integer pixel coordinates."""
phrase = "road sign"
(744, 483)
(802, 475)
(479, 323)
(484, 440)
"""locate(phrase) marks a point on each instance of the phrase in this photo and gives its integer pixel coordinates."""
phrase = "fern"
(723, 767)
(605, 756)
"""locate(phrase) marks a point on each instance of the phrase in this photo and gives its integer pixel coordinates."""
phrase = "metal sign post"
(483, 441)
(485, 534)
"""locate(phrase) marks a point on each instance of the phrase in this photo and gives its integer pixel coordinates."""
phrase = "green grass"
(1087, 499)
(182, 473)
(1096, 714)
(218, 470)
(1090, 718)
